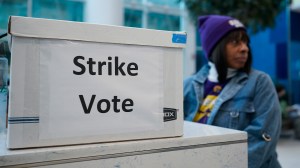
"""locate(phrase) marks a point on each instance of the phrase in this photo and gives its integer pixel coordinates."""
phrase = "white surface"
(25, 98)
(195, 134)
(28, 82)
(104, 12)
(60, 105)
(67, 30)
(288, 150)
(227, 156)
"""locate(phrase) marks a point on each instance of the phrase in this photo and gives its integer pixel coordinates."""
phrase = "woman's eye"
(234, 41)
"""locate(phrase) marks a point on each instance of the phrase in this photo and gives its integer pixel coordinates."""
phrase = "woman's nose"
(244, 47)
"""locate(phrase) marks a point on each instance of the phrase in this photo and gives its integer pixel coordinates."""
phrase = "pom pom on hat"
(213, 28)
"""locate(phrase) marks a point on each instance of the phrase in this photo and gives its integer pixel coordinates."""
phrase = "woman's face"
(237, 54)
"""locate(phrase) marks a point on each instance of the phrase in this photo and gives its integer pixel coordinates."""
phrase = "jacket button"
(266, 137)
(234, 114)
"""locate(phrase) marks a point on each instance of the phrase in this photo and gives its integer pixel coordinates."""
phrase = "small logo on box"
(170, 114)
(179, 38)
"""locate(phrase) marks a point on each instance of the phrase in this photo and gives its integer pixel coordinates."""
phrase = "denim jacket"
(249, 103)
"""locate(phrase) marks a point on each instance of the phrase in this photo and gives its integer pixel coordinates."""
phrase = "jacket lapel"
(198, 84)
(229, 91)
(197, 92)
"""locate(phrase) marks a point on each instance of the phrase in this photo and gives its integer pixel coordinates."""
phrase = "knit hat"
(213, 28)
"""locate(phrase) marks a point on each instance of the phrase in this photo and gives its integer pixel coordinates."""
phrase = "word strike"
(111, 66)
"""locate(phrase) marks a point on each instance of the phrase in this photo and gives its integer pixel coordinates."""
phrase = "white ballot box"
(200, 146)
(74, 83)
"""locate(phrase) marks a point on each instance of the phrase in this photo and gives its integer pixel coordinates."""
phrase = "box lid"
(68, 30)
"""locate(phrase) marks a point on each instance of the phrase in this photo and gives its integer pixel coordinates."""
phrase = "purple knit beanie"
(213, 28)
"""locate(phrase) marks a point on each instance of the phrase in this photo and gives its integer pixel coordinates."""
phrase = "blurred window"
(200, 58)
(11, 7)
(171, 3)
(163, 22)
(133, 18)
(58, 9)
(153, 14)
(133, 1)
(52, 9)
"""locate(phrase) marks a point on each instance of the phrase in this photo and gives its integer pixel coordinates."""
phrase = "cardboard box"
(75, 83)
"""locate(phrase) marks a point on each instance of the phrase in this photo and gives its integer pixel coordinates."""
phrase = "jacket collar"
(201, 75)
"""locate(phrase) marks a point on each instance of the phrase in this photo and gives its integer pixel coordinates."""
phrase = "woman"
(229, 93)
